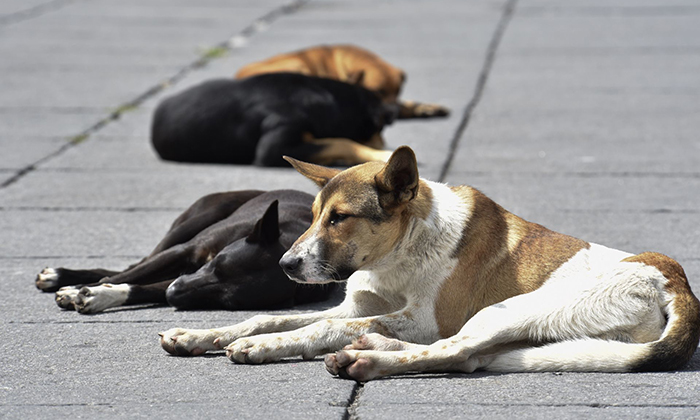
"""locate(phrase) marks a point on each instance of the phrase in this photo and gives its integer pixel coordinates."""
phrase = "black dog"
(228, 253)
(259, 119)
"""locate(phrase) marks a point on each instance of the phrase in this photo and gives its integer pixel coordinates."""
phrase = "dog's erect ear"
(267, 229)
(398, 180)
(318, 174)
(356, 77)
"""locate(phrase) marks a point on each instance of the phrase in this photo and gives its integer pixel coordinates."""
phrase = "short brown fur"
(346, 63)
(350, 64)
(684, 336)
(500, 256)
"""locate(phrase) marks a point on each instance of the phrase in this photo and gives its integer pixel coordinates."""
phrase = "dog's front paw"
(47, 280)
(247, 350)
(349, 364)
(91, 300)
(182, 342)
(65, 297)
(259, 349)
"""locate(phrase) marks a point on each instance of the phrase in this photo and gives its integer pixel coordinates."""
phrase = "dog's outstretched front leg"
(313, 340)
(193, 342)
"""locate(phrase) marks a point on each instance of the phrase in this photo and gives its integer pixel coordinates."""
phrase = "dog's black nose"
(290, 263)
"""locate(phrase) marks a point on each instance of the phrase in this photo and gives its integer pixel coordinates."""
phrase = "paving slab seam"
(34, 12)
(353, 402)
(229, 44)
(508, 11)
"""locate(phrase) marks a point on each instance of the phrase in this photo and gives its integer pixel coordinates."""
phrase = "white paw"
(47, 279)
(183, 342)
(91, 300)
(350, 364)
(259, 349)
(66, 296)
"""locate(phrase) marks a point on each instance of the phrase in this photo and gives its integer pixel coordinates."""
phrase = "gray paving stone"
(18, 152)
(126, 189)
(40, 120)
(532, 396)
(45, 233)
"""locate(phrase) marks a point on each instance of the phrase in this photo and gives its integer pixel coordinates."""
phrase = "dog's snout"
(290, 263)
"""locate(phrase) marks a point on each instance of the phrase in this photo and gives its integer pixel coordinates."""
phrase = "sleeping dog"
(350, 64)
(259, 119)
(221, 253)
(442, 278)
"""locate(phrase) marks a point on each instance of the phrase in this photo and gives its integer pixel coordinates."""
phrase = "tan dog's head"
(358, 217)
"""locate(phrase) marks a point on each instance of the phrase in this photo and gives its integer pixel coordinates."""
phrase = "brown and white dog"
(350, 64)
(442, 278)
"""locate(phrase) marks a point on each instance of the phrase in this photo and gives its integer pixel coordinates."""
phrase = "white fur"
(47, 278)
(65, 296)
(98, 298)
(593, 306)
(407, 279)
(598, 313)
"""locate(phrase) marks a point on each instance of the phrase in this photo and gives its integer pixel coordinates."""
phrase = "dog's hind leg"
(162, 267)
(94, 299)
(620, 306)
(167, 265)
(203, 213)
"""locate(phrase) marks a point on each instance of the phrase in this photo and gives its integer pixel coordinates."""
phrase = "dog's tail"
(671, 351)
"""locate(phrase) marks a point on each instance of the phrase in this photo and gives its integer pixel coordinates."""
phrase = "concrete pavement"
(580, 115)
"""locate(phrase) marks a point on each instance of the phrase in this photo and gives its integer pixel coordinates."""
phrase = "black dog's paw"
(48, 280)
(65, 297)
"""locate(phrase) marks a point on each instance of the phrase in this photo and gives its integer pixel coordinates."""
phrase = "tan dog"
(349, 64)
(472, 285)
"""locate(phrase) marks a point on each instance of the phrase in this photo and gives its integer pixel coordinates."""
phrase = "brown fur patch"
(346, 63)
(500, 256)
(682, 340)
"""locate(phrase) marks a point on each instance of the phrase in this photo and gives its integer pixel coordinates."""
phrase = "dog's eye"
(337, 218)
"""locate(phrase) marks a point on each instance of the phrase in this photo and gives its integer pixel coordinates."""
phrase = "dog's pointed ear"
(318, 174)
(267, 229)
(398, 180)
(356, 77)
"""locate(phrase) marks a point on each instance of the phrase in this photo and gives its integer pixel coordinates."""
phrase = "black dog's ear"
(318, 174)
(267, 229)
(398, 180)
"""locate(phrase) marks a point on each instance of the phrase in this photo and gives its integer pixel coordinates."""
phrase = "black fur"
(259, 119)
(221, 253)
